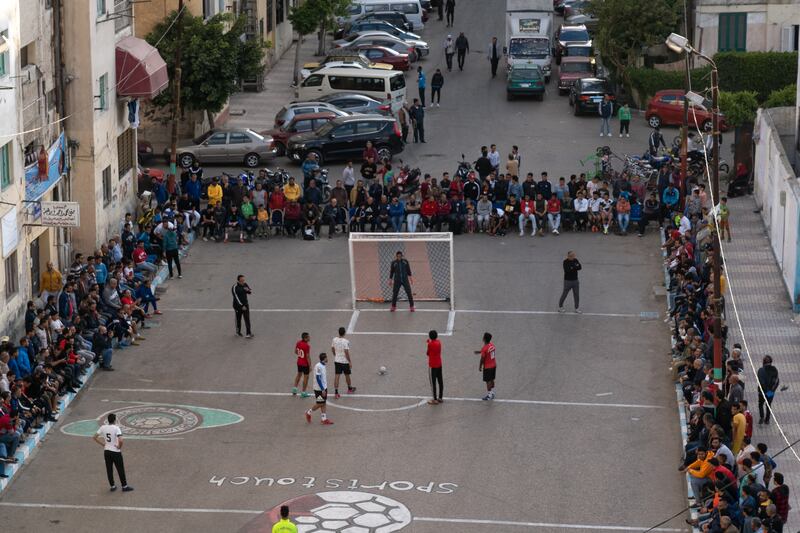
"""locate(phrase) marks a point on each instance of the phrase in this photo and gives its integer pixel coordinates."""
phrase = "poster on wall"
(9, 232)
(61, 214)
(41, 176)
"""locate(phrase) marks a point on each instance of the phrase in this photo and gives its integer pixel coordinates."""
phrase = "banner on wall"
(49, 168)
(10, 233)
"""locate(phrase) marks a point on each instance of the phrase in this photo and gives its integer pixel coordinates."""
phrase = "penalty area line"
(536, 524)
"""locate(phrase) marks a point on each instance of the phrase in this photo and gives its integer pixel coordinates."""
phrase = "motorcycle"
(408, 179)
(464, 168)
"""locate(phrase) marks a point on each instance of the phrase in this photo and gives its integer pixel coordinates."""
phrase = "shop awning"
(141, 72)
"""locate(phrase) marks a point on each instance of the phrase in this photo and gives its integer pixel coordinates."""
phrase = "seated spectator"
(412, 213)
(623, 207)
(311, 220)
(334, 215)
(554, 213)
(397, 211)
(581, 211)
(234, 224)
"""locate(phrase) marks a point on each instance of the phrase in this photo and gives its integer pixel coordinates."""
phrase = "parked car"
(525, 80)
(666, 109)
(574, 8)
(346, 138)
(581, 50)
(383, 55)
(226, 145)
(573, 69)
(569, 34)
(393, 17)
(413, 46)
(145, 151)
(357, 103)
(306, 72)
(370, 25)
(587, 93)
(288, 111)
(298, 124)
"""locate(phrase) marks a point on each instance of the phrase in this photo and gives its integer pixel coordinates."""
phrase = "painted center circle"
(337, 512)
(157, 420)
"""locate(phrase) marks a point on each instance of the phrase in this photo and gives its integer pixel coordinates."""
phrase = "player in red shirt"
(488, 365)
(302, 350)
(435, 366)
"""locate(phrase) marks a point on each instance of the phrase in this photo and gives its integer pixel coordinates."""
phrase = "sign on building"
(62, 214)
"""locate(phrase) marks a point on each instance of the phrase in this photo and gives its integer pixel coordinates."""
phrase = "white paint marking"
(466, 311)
(415, 333)
(604, 394)
(416, 310)
(451, 318)
(228, 310)
(536, 524)
(391, 396)
(351, 327)
(501, 312)
(128, 508)
(362, 410)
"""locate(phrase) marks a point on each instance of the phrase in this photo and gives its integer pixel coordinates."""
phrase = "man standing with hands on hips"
(400, 276)
(241, 306)
(571, 268)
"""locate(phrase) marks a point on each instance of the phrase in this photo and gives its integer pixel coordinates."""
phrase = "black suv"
(587, 93)
(346, 138)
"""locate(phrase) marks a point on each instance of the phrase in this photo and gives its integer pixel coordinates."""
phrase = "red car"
(666, 109)
(299, 124)
(381, 54)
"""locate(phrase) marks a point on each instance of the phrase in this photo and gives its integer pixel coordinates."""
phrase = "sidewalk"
(260, 108)
(756, 289)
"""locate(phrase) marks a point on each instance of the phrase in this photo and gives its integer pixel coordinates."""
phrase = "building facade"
(746, 25)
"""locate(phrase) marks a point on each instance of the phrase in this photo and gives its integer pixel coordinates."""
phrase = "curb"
(25, 450)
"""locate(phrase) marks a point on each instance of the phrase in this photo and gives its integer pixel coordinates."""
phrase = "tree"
(785, 97)
(304, 20)
(739, 107)
(625, 27)
(327, 11)
(213, 59)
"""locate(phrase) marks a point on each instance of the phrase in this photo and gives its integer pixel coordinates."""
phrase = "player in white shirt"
(320, 390)
(594, 210)
(109, 436)
(341, 361)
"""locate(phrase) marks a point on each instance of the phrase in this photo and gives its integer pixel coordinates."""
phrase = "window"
(27, 55)
(315, 80)
(125, 153)
(279, 11)
(106, 186)
(12, 276)
(406, 7)
(270, 20)
(732, 32)
(5, 166)
(101, 7)
(239, 138)
(303, 125)
(123, 13)
(345, 130)
(102, 89)
(397, 83)
(357, 84)
(217, 138)
(4, 66)
(369, 127)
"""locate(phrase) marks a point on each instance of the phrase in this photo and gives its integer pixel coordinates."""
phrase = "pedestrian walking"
(400, 276)
(404, 119)
(241, 307)
(340, 347)
(320, 390)
(494, 56)
(624, 116)
(606, 110)
(109, 436)
(655, 141)
(284, 525)
(440, 9)
(488, 365)
(302, 349)
(462, 49)
(434, 353)
(437, 81)
(417, 114)
(421, 85)
(723, 214)
(571, 268)
(768, 382)
(449, 51)
(450, 12)
(171, 245)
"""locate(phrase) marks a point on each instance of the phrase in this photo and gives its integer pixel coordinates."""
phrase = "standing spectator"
(780, 497)
(768, 383)
(449, 50)
(403, 116)
(483, 164)
(369, 152)
(655, 141)
(450, 11)
(348, 176)
(51, 282)
(437, 81)
(340, 193)
(434, 353)
(494, 158)
(606, 110)
(462, 49)
(171, 244)
(421, 85)
(624, 116)
(418, 121)
(109, 436)
(571, 267)
(192, 189)
(369, 168)
(494, 56)
(723, 214)
(512, 166)
(241, 306)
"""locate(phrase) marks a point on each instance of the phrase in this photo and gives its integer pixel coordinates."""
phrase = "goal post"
(430, 256)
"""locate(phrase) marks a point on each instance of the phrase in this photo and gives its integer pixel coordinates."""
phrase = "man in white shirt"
(109, 436)
(581, 211)
(320, 390)
(494, 157)
(341, 361)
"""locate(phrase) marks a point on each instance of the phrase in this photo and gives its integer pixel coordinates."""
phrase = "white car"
(388, 40)
(306, 72)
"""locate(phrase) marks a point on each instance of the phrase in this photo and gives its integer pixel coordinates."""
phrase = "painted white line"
(420, 333)
(353, 319)
(524, 312)
(228, 310)
(466, 311)
(451, 318)
(537, 524)
(362, 410)
(391, 397)
(416, 310)
(261, 511)
(604, 394)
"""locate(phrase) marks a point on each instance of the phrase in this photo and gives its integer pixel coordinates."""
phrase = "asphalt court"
(584, 419)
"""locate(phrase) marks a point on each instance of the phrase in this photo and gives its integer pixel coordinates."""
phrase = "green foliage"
(647, 81)
(325, 12)
(213, 59)
(626, 26)
(782, 97)
(738, 107)
(304, 18)
(762, 72)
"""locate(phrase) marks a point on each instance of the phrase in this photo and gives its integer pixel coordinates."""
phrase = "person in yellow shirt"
(262, 217)
(285, 525)
(292, 191)
(50, 282)
(214, 192)
(700, 471)
(739, 425)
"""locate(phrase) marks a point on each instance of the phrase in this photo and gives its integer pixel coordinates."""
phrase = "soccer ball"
(382, 370)
(354, 512)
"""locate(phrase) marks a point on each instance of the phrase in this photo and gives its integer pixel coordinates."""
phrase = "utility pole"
(685, 126)
(176, 96)
(717, 259)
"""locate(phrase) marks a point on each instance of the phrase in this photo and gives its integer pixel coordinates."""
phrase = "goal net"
(430, 256)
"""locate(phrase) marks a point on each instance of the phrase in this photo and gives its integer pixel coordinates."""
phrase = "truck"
(529, 34)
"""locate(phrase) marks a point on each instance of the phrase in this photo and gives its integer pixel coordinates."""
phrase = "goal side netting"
(430, 256)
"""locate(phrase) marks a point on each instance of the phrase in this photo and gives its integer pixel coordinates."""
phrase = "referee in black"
(240, 305)
(400, 276)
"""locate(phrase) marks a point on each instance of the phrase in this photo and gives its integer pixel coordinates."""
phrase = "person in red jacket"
(428, 212)
(527, 212)
(277, 200)
(442, 211)
(554, 213)
(456, 187)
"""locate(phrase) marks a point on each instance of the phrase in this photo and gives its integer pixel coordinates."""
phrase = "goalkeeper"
(400, 276)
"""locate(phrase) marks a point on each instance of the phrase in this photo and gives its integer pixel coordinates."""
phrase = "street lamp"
(680, 44)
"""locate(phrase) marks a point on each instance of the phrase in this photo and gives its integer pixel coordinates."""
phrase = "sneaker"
(239, 333)
(113, 488)
(308, 416)
(225, 239)
(127, 488)
(627, 135)
(579, 311)
(521, 233)
(609, 135)
(326, 422)
(205, 239)
(556, 232)
(489, 396)
(180, 276)
(249, 336)
(351, 390)
(294, 391)
(304, 394)
(605, 231)
(411, 309)
(620, 135)
(337, 395)
(433, 402)
(157, 313)
(601, 135)
(561, 309)
(393, 309)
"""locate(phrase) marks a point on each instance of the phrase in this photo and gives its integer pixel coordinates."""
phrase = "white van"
(376, 83)
(410, 8)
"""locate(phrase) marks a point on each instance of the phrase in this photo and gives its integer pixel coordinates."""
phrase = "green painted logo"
(155, 420)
